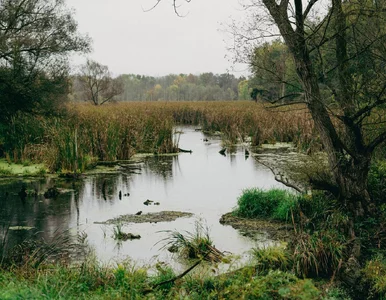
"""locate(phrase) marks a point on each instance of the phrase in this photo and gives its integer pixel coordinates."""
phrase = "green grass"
(274, 204)
(12, 169)
(93, 281)
(271, 258)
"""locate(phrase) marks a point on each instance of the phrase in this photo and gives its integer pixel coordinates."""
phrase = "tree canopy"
(36, 39)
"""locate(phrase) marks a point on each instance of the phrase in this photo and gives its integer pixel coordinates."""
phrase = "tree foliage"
(36, 38)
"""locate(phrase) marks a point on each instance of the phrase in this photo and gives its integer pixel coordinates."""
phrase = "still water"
(203, 183)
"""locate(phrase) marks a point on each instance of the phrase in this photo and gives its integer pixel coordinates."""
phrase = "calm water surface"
(203, 182)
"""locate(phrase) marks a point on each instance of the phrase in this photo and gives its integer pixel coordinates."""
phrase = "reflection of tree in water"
(106, 187)
(161, 165)
(45, 216)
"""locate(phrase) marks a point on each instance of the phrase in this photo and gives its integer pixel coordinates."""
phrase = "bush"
(275, 204)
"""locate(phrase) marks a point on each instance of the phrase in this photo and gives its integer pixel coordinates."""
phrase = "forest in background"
(172, 87)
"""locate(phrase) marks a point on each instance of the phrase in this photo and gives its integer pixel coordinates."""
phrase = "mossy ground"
(27, 169)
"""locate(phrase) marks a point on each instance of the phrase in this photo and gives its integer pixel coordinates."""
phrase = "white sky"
(129, 40)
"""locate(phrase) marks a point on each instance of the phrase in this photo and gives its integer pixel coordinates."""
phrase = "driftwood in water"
(222, 151)
(184, 151)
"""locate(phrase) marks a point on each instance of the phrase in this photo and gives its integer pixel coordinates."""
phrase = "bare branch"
(154, 6)
(308, 8)
(280, 178)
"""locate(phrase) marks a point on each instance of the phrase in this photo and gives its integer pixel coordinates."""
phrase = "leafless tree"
(98, 85)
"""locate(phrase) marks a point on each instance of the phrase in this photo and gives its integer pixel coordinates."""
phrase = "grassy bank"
(124, 281)
(319, 245)
(28, 272)
(72, 142)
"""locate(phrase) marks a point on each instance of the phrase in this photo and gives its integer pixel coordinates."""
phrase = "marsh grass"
(31, 253)
(271, 258)
(317, 254)
(316, 247)
(91, 280)
(118, 233)
(192, 245)
(275, 204)
(117, 131)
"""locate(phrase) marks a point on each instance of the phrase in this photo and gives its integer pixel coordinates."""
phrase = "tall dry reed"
(117, 131)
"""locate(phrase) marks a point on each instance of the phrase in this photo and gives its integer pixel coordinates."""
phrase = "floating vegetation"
(163, 216)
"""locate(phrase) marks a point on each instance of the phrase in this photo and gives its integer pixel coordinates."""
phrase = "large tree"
(340, 44)
(36, 39)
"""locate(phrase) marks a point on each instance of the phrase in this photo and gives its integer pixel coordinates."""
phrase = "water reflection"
(202, 182)
(36, 216)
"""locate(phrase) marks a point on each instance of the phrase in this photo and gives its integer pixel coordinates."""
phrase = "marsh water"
(203, 183)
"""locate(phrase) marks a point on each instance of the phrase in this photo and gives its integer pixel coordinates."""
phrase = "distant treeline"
(206, 86)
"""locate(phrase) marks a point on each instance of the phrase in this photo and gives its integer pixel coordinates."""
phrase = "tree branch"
(308, 8)
(376, 142)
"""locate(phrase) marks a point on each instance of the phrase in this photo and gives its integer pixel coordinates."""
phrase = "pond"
(203, 183)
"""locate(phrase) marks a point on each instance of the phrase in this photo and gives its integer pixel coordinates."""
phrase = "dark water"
(204, 183)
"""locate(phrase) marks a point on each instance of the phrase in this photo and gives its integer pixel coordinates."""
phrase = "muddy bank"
(163, 216)
(253, 228)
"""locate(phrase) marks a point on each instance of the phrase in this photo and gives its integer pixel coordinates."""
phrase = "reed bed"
(117, 131)
(247, 121)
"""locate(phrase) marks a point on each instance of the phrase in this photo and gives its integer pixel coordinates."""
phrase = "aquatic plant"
(196, 244)
(275, 204)
(120, 235)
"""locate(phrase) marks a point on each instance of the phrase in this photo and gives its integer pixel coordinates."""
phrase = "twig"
(174, 278)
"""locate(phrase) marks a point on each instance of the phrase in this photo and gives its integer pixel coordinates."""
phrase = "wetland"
(147, 195)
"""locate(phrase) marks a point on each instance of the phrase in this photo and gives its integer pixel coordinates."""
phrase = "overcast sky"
(129, 40)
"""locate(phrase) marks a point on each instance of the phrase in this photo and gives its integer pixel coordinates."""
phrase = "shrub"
(276, 204)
